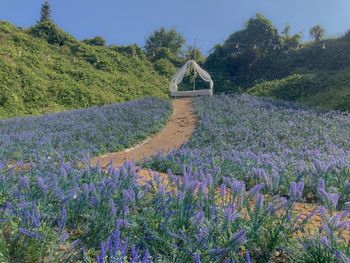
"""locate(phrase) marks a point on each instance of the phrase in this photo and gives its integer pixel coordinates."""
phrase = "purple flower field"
(250, 162)
(92, 131)
(272, 142)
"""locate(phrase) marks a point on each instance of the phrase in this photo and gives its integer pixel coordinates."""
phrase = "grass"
(43, 69)
(326, 89)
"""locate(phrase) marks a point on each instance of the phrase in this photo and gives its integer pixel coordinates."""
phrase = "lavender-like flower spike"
(30, 234)
(296, 190)
(223, 190)
(197, 258)
(23, 183)
(324, 241)
(330, 199)
(101, 257)
(259, 202)
(255, 190)
(247, 256)
(62, 221)
(239, 238)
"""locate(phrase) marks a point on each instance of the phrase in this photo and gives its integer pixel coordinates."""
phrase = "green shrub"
(293, 87)
(165, 67)
(96, 41)
(51, 33)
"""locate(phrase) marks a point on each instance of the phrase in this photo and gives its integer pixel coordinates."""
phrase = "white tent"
(179, 76)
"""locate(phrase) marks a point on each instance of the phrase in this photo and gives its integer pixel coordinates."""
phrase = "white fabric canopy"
(180, 74)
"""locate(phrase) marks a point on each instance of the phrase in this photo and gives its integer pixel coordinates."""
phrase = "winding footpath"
(176, 132)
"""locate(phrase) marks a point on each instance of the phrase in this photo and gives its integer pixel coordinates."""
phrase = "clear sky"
(209, 21)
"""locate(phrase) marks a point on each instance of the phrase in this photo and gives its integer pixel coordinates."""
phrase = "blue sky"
(210, 21)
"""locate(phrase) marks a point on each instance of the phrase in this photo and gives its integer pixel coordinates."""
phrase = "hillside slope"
(329, 89)
(264, 62)
(43, 69)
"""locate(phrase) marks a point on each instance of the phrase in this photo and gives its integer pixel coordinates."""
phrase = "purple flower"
(129, 195)
(101, 257)
(247, 256)
(63, 219)
(255, 190)
(296, 190)
(259, 202)
(41, 183)
(64, 236)
(230, 214)
(30, 234)
(239, 238)
(223, 190)
(324, 241)
(197, 258)
(83, 252)
(111, 205)
(23, 183)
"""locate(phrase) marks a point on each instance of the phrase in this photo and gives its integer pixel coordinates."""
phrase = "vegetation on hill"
(262, 61)
(44, 69)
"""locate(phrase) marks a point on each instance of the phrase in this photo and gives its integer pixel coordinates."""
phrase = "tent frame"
(178, 78)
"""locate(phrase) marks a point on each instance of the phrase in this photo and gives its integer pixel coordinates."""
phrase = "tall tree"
(317, 33)
(164, 42)
(45, 13)
(290, 41)
(194, 53)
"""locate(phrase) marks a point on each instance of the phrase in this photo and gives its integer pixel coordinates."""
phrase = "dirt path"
(176, 132)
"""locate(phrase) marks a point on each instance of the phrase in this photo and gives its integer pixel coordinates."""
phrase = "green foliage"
(326, 89)
(51, 33)
(317, 33)
(45, 13)
(264, 62)
(293, 87)
(243, 51)
(44, 69)
(164, 44)
(96, 41)
(130, 51)
(165, 67)
(194, 53)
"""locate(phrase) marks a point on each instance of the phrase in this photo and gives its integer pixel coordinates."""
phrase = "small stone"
(277, 253)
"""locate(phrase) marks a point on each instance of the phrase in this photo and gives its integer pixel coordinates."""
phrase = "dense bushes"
(327, 89)
(44, 69)
(293, 87)
(277, 64)
(96, 41)
(51, 33)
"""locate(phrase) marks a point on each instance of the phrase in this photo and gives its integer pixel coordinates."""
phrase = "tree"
(45, 13)
(286, 31)
(194, 53)
(290, 41)
(246, 55)
(317, 33)
(161, 40)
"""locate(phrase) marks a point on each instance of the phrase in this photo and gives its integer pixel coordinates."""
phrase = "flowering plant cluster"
(259, 140)
(93, 130)
(72, 212)
(233, 194)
